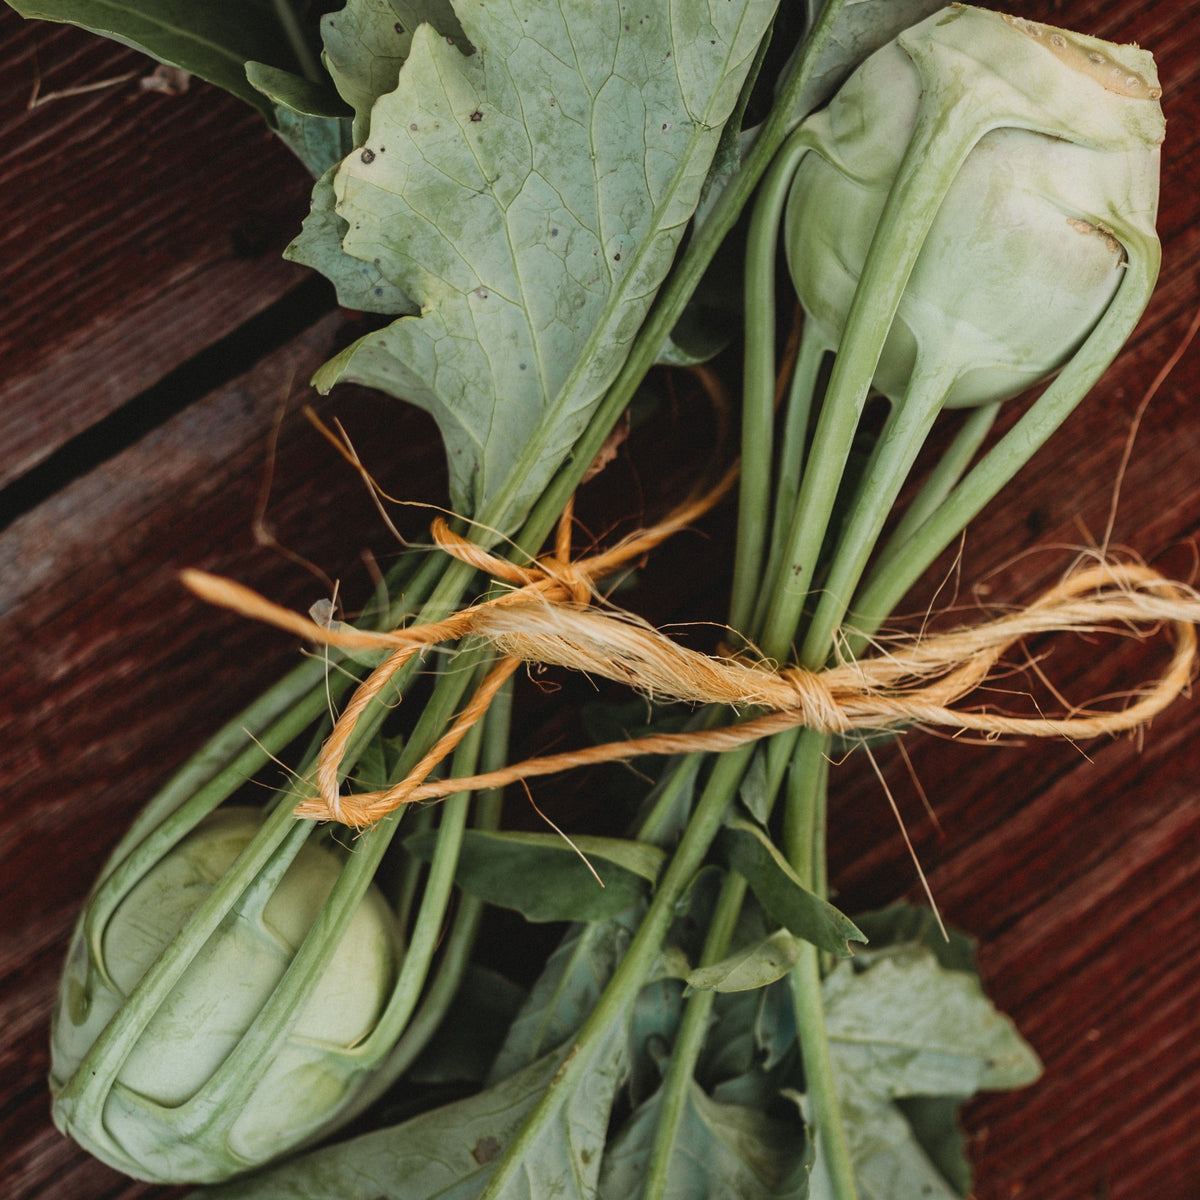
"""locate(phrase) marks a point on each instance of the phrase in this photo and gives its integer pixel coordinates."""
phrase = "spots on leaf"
(486, 1149)
(368, 155)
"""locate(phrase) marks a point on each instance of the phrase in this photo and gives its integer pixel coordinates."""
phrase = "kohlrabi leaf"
(439, 13)
(906, 1026)
(731, 1045)
(888, 1161)
(754, 790)
(566, 991)
(530, 198)
(214, 39)
(310, 118)
(653, 1023)
(721, 1151)
(319, 245)
(366, 43)
(903, 924)
(546, 878)
(446, 1154)
(751, 853)
(753, 966)
(365, 47)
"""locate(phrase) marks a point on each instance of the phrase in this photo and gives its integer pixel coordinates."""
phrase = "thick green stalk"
(416, 1030)
(933, 157)
(940, 481)
(903, 436)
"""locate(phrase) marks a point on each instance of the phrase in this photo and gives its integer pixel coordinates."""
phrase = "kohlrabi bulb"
(182, 1106)
(1024, 254)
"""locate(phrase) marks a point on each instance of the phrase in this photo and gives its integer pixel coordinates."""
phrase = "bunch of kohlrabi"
(973, 212)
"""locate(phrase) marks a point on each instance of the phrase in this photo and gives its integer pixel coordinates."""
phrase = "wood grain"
(139, 229)
(1076, 867)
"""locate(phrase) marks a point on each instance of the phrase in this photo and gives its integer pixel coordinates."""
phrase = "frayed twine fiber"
(547, 619)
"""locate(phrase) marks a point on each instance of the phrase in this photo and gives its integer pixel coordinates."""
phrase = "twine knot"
(816, 705)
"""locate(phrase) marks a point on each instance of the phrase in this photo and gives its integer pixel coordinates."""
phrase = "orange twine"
(547, 619)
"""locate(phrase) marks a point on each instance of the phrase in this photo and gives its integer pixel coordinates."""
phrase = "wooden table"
(156, 351)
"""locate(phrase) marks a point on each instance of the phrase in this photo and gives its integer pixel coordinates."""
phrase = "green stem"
(903, 436)
(689, 1040)
(297, 40)
(940, 481)
(819, 1080)
(418, 1029)
(758, 382)
(931, 160)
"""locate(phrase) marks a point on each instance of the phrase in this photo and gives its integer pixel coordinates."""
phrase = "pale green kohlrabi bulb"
(186, 1099)
(1060, 134)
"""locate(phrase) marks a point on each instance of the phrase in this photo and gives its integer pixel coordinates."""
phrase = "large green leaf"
(210, 38)
(544, 877)
(530, 198)
(721, 1152)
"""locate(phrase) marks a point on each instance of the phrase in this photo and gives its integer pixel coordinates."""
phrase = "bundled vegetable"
(972, 213)
(193, 1095)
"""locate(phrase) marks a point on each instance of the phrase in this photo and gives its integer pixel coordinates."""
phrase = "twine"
(550, 618)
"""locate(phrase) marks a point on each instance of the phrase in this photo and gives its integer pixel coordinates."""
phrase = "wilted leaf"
(935, 1125)
(566, 991)
(913, 924)
(888, 1162)
(472, 1030)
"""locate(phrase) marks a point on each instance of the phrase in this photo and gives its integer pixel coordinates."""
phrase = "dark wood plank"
(1075, 867)
(139, 229)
